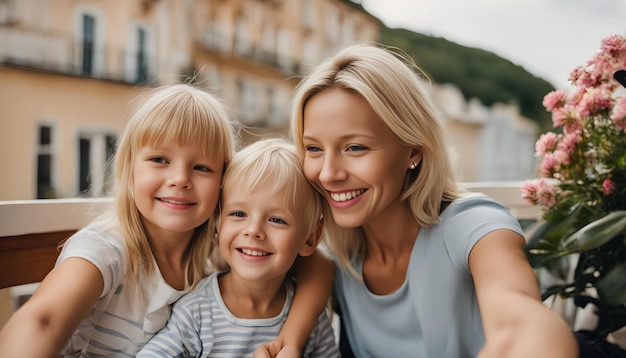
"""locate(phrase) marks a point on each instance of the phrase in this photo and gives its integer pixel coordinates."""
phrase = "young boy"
(269, 215)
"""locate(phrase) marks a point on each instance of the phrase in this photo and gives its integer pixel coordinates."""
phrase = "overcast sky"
(549, 38)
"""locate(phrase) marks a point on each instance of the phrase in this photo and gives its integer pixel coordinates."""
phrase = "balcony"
(64, 55)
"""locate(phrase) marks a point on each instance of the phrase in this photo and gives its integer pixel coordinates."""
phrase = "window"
(89, 32)
(88, 44)
(45, 189)
(95, 152)
(142, 60)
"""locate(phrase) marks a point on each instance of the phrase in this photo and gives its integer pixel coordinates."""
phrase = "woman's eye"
(355, 148)
(312, 148)
(278, 221)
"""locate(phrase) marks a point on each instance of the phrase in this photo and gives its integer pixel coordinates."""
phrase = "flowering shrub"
(582, 186)
(584, 160)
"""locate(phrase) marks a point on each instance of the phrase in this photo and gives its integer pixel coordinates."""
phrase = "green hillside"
(477, 73)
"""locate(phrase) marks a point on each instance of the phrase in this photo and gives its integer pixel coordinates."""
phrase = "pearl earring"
(413, 166)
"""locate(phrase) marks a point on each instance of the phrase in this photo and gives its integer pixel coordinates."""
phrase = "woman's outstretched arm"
(515, 321)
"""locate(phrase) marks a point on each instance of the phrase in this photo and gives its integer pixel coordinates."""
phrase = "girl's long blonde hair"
(389, 83)
(173, 114)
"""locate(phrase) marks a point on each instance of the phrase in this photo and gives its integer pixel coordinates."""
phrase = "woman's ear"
(416, 155)
(312, 241)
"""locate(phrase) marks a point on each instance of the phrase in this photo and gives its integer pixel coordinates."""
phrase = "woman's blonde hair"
(174, 114)
(273, 161)
(388, 80)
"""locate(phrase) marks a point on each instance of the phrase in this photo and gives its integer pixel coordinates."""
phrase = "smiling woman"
(374, 147)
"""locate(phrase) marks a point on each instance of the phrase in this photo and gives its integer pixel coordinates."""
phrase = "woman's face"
(353, 158)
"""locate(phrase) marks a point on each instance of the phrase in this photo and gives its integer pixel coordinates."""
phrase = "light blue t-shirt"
(435, 312)
(201, 325)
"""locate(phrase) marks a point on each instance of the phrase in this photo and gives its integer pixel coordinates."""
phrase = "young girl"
(422, 269)
(270, 216)
(115, 280)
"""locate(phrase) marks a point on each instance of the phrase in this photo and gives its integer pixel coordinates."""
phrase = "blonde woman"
(422, 269)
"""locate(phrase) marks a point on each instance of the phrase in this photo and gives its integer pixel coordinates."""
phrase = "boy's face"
(260, 234)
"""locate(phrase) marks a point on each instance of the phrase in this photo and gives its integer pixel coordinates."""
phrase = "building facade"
(69, 70)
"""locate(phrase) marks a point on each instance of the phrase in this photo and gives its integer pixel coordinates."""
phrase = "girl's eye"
(202, 168)
(355, 148)
(159, 160)
(278, 221)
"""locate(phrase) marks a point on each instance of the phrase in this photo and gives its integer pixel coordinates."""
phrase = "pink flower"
(561, 157)
(618, 115)
(546, 143)
(546, 194)
(554, 100)
(529, 191)
(559, 117)
(548, 165)
(538, 191)
(614, 46)
(608, 186)
(593, 102)
(568, 141)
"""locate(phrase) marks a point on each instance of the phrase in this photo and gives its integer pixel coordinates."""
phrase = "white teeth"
(347, 195)
(254, 253)
(175, 202)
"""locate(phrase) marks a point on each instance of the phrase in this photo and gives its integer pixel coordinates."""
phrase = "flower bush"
(582, 187)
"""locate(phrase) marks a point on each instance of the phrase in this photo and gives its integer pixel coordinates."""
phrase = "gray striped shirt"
(202, 326)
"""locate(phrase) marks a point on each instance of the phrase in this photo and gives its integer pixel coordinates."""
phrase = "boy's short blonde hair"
(273, 161)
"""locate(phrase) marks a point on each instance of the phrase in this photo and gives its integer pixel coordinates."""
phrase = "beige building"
(69, 70)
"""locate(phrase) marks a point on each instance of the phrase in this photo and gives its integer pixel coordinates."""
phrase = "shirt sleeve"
(179, 338)
(469, 219)
(102, 249)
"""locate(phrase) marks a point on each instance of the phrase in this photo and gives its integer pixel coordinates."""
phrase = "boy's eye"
(278, 221)
(239, 214)
(202, 168)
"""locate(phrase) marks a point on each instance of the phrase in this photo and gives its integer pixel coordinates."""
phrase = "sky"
(549, 38)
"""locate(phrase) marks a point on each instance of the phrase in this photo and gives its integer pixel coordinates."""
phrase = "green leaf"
(597, 233)
(612, 287)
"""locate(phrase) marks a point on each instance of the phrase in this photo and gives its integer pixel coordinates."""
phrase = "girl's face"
(260, 234)
(176, 188)
(354, 159)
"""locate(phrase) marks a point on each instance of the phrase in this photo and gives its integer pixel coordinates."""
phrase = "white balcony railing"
(20, 217)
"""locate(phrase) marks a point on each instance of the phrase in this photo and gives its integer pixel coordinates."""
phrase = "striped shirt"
(202, 326)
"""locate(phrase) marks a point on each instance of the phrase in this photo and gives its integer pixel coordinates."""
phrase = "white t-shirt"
(124, 318)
